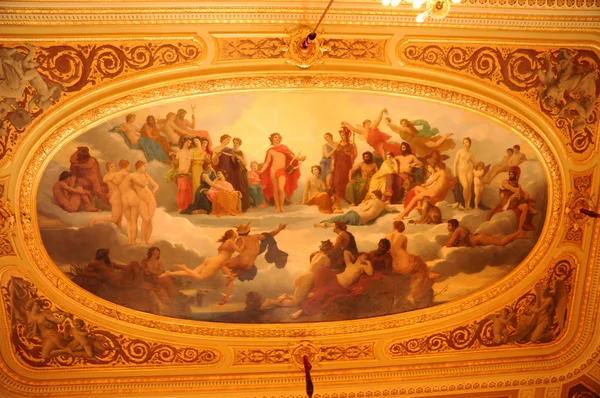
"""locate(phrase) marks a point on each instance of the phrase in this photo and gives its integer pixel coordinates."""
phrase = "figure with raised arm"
(190, 126)
(422, 144)
(243, 263)
(378, 140)
(211, 265)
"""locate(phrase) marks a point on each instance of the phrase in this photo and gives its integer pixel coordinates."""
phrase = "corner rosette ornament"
(301, 55)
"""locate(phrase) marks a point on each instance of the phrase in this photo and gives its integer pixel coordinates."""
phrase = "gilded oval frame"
(45, 147)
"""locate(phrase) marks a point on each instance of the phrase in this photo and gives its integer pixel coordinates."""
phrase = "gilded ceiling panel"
(222, 226)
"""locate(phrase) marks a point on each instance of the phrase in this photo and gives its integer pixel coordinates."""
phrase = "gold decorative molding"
(7, 221)
(374, 15)
(35, 164)
(535, 317)
(560, 82)
(240, 47)
(553, 4)
(60, 67)
(45, 337)
(581, 197)
(293, 354)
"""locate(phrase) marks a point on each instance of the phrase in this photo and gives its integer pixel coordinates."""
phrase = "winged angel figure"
(574, 94)
(55, 331)
(17, 73)
(535, 324)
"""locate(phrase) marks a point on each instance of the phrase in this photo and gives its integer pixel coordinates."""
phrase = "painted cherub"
(499, 328)
(480, 171)
(84, 341)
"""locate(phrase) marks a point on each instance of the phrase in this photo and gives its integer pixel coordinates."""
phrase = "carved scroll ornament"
(44, 336)
(561, 83)
(35, 77)
(534, 318)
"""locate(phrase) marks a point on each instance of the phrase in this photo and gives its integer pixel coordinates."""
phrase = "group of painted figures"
(217, 181)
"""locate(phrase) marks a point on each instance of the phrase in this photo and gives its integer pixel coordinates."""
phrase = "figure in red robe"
(341, 164)
(280, 172)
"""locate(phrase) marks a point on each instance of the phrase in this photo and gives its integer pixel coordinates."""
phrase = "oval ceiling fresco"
(273, 207)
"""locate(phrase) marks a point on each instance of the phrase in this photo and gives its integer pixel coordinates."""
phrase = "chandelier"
(436, 9)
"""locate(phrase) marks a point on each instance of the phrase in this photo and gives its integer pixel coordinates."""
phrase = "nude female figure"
(464, 162)
(113, 179)
(438, 182)
(147, 206)
(130, 202)
(130, 130)
(404, 263)
(211, 265)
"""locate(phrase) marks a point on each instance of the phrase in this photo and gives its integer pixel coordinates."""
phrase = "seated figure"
(226, 201)
(70, 198)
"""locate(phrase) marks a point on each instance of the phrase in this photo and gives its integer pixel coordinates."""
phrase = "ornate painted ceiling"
(158, 240)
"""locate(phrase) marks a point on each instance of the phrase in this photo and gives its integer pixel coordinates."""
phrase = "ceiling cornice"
(463, 17)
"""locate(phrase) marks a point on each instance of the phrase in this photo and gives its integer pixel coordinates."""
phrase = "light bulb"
(456, 1)
(395, 3)
(386, 2)
(422, 17)
(418, 3)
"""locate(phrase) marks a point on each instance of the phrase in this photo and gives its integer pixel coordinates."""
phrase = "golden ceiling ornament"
(580, 198)
(293, 354)
(297, 54)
